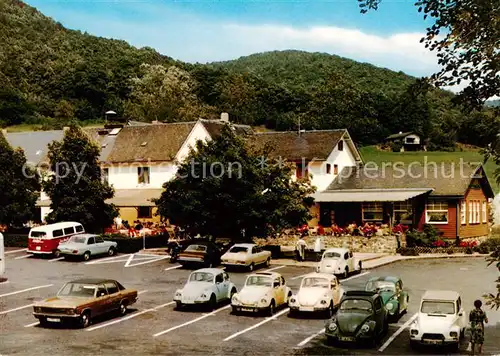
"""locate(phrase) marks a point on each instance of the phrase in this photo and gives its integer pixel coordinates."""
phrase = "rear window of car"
(331, 255)
(38, 234)
(237, 249)
(111, 287)
(201, 248)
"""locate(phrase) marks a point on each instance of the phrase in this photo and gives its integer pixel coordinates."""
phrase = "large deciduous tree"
(225, 188)
(465, 35)
(74, 186)
(19, 184)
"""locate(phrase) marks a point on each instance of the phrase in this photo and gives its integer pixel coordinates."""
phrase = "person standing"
(318, 247)
(477, 319)
(301, 249)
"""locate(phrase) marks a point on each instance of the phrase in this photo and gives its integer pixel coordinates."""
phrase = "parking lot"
(152, 326)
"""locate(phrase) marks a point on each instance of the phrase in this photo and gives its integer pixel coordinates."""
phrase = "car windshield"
(77, 290)
(437, 307)
(380, 286)
(38, 234)
(201, 277)
(311, 282)
(196, 248)
(356, 304)
(78, 239)
(331, 255)
(238, 249)
(259, 281)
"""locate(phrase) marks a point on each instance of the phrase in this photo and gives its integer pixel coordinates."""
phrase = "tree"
(19, 184)
(466, 37)
(74, 185)
(224, 189)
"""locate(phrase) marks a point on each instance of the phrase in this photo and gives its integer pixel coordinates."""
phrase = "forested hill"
(50, 75)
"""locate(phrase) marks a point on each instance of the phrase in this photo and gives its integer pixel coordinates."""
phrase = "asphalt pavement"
(152, 326)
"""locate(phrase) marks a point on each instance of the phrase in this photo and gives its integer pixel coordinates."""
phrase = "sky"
(210, 30)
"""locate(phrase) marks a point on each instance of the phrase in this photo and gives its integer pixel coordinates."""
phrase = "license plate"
(307, 309)
(246, 309)
(432, 342)
(38, 248)
(347, 338)
(54, 320)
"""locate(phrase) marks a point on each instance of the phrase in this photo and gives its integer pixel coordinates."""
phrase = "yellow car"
(247, 256)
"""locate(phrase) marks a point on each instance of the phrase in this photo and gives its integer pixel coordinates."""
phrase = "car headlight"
(414, 332)
(323, 301)
(389, 306)
(332, 326)
(365, 328)
(292, 300)
(178, 294)
(453, 334)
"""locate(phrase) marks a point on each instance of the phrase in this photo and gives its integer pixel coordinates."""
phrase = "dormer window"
(340, 145)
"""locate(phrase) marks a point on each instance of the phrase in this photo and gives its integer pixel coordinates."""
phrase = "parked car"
(246, 255)
(361, 317)
(202, 253)
(44, 240)
(338, 261)
(263, 291)
(391, 290)
(87, 245)
(207, 286)
(83, 299)
(319, 292)
(441, 320)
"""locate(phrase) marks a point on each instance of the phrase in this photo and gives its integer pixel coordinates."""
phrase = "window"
(219, 278)
(79, 228)
(144, 212)
(111, 287)
(282, 281)
(254, 250)
(301, 170)
(463, 216)
(105, 175)
(402, 211)
(437, 212)
(328, 168)
(477, 216)
(484, 212)
(69, 230)
(471, 213)
(57, 233)
(98, 239)
(377, 304)
(335, 169)
(340, 145)
(143, 175)
(373, 212)
(101, 291)
(410, 140)
(90, 241)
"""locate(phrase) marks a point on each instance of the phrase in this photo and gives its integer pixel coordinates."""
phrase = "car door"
(336, 291)
(261, 255)
(114, 295)
(219, 286)
(379, 313)
(350, 262)
(102, 302)
(100, 245)
(462, 317)
(91, 246)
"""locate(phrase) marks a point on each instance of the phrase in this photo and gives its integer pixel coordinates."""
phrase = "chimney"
(224, 117)
(65, 128)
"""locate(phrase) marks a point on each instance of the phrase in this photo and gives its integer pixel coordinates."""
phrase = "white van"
(45, 239)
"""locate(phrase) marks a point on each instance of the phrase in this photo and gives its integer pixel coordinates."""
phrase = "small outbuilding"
(407, 141)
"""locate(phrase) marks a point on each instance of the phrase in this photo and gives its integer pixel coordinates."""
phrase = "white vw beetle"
(441, 320)
(319, 292)
(263, 291)
(338, 261)
(207, 286)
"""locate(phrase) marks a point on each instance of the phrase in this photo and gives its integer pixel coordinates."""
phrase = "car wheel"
(57, 253)
(292, 313)
(346, 272)
(86, 256)
(111, 251)
(414, 345)
(234, 310)
(123, 308)
(330, 340)
(268, 262)
(251, 267)
(272, 308)
(360, 266)
(85, 319)
(178, 305)
(212, 304)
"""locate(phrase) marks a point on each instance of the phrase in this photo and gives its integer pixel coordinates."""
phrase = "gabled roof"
(295, 146)
(445, 178)
(34, 143)
(399, 135)
(214, 127)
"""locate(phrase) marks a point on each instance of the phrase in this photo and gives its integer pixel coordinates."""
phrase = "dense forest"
(50, 75)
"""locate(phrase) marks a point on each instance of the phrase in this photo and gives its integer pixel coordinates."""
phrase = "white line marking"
(142, 291)
(26, 290)
(353, 277)
(163, 305)
(14, 251)
(272, 269)
(399, 331)
(21, 257)
(305, 341)
(120, 320)
(169, 268)
(16, 309)
(148, 254)
(114, 258)
(145, 262)
(56, 259)
(5, 282)
(33, 324)
(258, 324)
(190, 322)
(129, 260)
(302, 275)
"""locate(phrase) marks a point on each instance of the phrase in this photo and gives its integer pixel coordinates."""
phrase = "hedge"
(15, 240)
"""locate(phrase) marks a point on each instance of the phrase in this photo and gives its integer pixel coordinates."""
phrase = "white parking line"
(399, 331)
(15, 251)
(26, 290)
(56, 259)
(258, 324)
(353, 277)
(32, 324)
(305, 341)
(21, 257)
(102, 260)
(272, 269)
(145, 262)
(16, 309)
(190, 322)
(297, 277)
(142, 291)
(169, 268)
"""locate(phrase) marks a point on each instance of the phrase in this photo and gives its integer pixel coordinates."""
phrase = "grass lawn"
(372, 154)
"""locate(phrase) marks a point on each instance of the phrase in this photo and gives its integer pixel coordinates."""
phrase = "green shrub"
(15, 240)
(468, 251)
(482, 249)
(424, 238)
(491, 244)
(396, 146)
